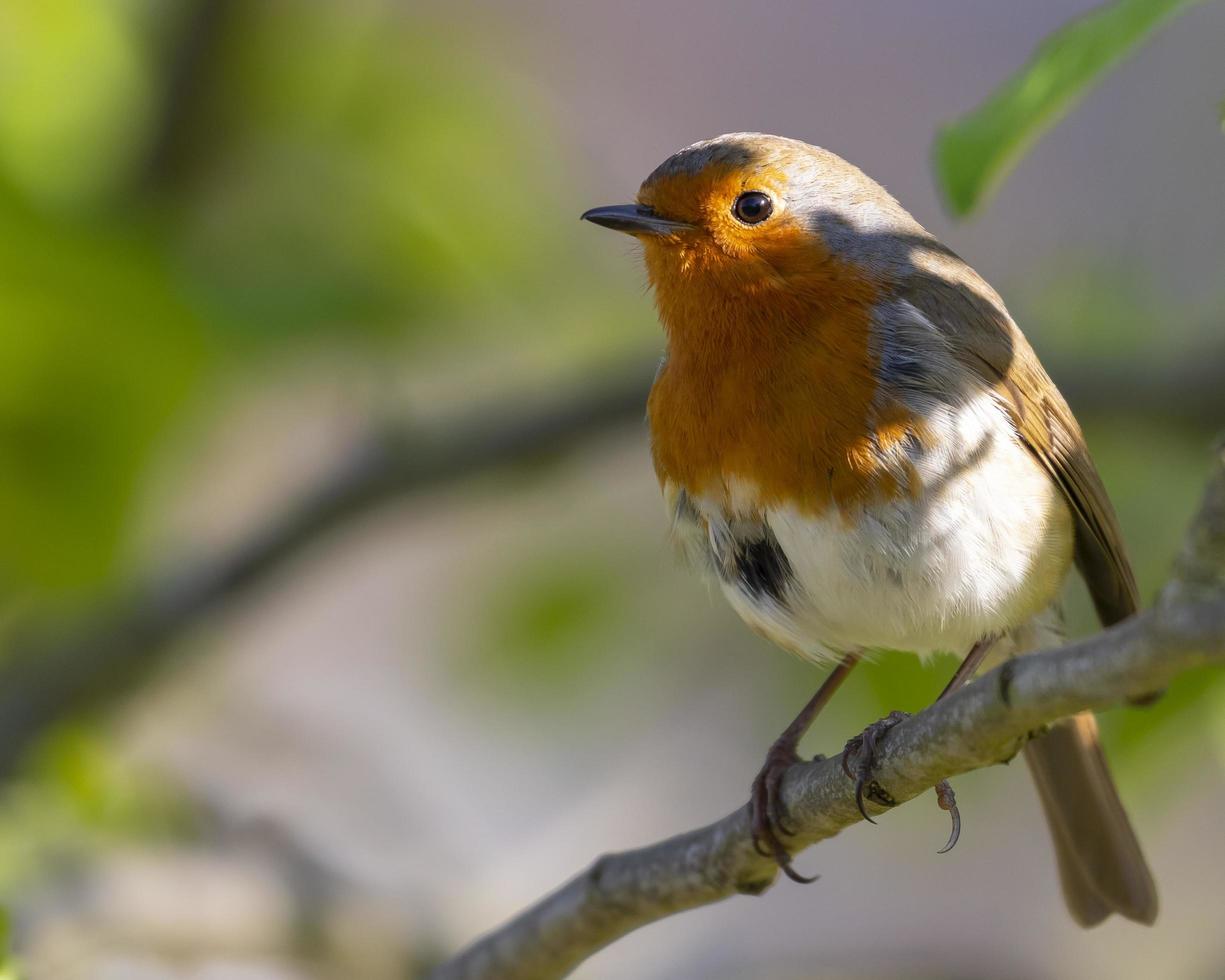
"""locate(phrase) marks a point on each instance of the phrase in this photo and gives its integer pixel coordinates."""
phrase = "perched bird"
(854, 437)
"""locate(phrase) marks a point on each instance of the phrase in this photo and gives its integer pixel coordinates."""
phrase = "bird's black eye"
(752, 207)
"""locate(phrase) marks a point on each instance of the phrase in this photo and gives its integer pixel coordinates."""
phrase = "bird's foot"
(769, 817)
(863, 747)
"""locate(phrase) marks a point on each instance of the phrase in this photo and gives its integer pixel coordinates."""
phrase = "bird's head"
(749, 218)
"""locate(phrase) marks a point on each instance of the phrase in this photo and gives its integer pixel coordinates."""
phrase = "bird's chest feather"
(972, 540)
(751, 398)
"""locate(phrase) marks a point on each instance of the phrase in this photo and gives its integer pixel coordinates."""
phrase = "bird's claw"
(948, 801)
(769, 818)
(863, 746)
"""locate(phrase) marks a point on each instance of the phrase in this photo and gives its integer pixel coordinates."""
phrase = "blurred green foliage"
(541, 622)
(98, 349)
(77, 95)
(975, 153)
(74, 796)
(197, 192)
(186, 196)
(349, 171)
(8, 966)
(556, 621)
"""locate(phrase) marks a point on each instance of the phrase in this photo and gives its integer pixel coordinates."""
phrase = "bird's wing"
(982, 335)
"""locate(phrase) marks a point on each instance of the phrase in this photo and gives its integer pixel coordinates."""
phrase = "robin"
(856, 440)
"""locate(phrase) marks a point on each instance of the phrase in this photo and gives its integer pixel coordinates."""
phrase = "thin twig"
(976, 727)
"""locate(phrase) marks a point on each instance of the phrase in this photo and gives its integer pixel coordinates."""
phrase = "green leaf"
(975, 153)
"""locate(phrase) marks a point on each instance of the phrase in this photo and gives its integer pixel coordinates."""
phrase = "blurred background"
(338, 618)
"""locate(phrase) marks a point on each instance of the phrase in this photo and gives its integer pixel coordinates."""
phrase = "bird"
(856, 441)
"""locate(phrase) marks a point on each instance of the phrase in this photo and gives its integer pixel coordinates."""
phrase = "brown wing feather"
(973, 319)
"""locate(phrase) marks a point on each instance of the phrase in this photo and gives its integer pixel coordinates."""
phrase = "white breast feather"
(981, 549)
(984, 547)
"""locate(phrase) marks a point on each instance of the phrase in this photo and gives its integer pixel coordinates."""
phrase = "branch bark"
(985, 723)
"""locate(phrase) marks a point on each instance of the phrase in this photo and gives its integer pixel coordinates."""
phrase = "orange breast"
(771, 381)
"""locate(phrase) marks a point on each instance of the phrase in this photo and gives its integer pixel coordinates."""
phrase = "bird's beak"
(635, 219)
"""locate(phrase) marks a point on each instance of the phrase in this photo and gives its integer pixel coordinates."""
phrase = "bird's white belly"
(981, 549)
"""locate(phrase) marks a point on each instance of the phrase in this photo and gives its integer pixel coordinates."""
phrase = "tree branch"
(984, 723)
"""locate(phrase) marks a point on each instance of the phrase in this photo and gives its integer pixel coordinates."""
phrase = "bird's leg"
(766, 800)
(864, 746)
(974, 659)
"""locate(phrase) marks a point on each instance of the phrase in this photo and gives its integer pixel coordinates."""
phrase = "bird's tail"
(1101, 866)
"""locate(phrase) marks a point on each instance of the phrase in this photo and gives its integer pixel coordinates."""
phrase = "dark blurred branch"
(190, 62)
(48, 677)
(1188, 391)
(44, 679)
(970, 730)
